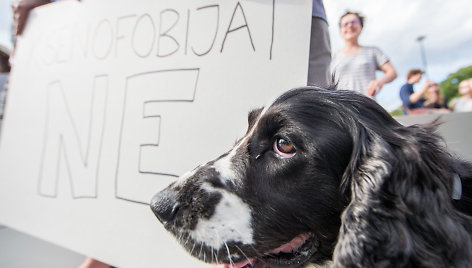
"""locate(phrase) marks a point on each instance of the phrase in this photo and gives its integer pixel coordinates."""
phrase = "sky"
(393, 26)
(5, 23)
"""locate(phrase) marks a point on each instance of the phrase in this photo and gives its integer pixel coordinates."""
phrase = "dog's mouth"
(292, 254)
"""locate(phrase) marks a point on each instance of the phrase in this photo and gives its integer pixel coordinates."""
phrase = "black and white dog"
(320, 176)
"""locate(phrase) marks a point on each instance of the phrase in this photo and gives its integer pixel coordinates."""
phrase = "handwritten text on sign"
(169, 32)
(110, 105)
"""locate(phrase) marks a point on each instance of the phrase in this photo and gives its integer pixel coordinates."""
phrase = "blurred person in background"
(463, 103)
(413, 101)
(354, 66)
(427, 100)
(434, 99)
(21, 10)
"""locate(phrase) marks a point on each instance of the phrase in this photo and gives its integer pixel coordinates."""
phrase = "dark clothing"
(318, 10)
(320, 48)
(320, 54)
(439, 105)
(405, 92)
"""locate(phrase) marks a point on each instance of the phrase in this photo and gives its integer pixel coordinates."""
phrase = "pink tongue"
(234, 265)
(294, 244)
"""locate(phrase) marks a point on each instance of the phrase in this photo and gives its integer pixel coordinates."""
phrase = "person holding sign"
(320, 47)
(21, 10)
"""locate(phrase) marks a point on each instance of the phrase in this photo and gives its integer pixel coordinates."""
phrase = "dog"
(325, 177)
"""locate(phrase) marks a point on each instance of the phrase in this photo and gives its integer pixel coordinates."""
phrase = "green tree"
(449, 87)
(397, 112)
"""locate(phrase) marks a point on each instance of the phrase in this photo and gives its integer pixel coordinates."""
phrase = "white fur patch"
(224, 167)
(231, 222)
(185, 176)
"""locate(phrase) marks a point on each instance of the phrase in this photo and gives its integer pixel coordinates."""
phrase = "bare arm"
(21, 12)
(376, 85)
(92, 263)
(417, 95)
(390, 73)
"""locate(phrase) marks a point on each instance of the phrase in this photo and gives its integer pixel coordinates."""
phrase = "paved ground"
(18, 250)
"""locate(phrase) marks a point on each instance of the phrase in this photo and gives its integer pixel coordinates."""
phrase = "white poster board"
(111, 100)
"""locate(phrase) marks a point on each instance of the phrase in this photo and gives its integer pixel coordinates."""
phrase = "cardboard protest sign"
(110, 101)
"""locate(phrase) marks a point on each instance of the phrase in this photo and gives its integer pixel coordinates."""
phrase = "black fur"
(372, 192)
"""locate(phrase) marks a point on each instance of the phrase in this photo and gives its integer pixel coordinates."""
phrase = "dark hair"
(358, 15)
(413, 72)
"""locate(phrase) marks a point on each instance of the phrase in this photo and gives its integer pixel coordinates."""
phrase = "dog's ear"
(252, 117)
(398, 182)
(360, 143)
(377, 144)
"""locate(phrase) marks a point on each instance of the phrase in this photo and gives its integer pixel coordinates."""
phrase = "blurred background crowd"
(430, 36)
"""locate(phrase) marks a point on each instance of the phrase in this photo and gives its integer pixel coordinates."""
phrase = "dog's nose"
(165, 206)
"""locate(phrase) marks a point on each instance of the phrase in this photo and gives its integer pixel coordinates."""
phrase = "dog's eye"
(284, 148)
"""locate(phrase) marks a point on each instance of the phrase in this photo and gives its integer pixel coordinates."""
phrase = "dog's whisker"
(229, 254)
(188, 237)
(217, 250)
(194, 244)
(174, 226)
(180, 236)
(201, 248)
(255, 250)
(242, 252)
(211, 249)
(216, 256)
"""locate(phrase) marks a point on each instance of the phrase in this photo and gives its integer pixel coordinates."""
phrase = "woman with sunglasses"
(434, 98)
(354, 66)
